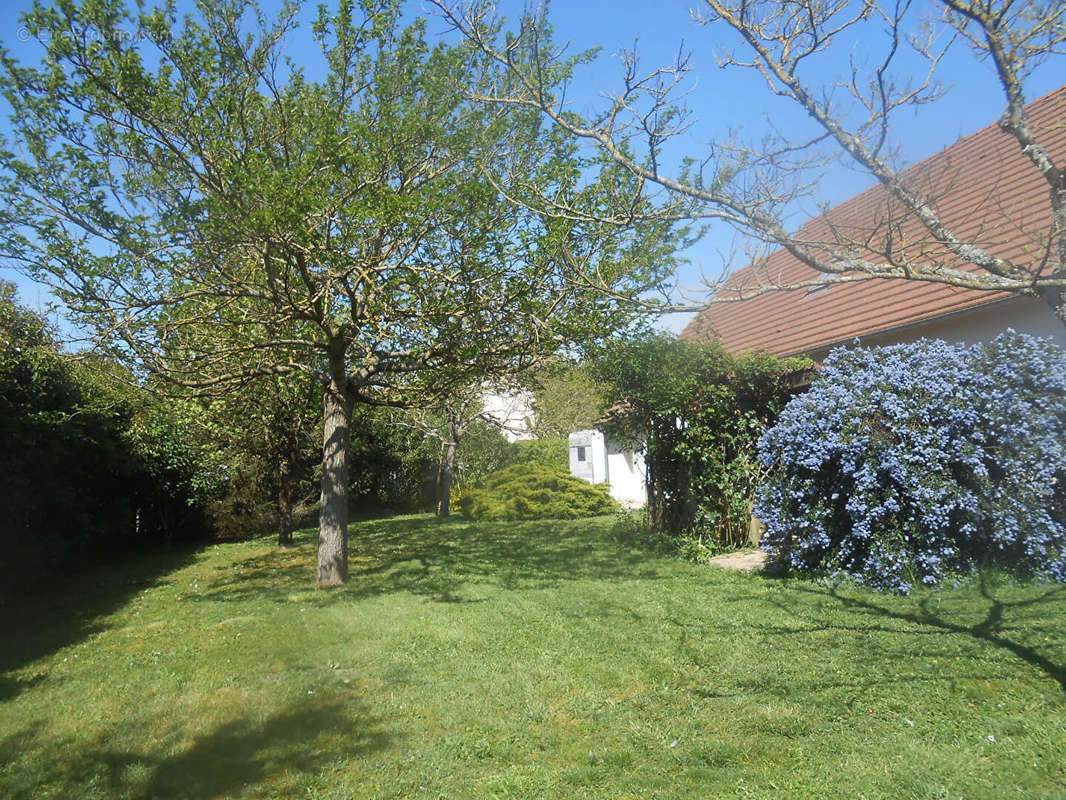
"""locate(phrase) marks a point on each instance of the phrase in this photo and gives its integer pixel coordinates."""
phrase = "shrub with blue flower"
(906, 463)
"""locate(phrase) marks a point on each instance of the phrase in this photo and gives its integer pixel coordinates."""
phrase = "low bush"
(534, 491)
(906, 463)
(484, 451)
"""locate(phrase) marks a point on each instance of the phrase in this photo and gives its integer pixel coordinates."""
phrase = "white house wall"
(1029, 315)
(511, 411)
(588, 456)
(596, 459)
(628, 476)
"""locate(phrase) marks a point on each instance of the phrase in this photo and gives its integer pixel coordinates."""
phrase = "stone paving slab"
(747, 561)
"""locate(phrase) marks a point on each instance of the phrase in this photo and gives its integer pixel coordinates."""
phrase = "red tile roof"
(988, 193)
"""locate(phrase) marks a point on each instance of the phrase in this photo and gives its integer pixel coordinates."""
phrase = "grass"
(522, 660)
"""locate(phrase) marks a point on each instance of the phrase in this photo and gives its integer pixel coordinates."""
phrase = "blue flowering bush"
(907, 463)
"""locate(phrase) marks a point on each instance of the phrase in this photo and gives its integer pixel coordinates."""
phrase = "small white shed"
(597, 458)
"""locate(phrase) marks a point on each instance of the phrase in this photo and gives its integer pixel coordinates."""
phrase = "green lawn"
(523, 660)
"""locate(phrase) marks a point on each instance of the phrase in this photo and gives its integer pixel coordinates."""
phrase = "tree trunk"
(446, 468)
(333, 511)
(286, 492)
(656, 509)
(445, 478)
(651, 486)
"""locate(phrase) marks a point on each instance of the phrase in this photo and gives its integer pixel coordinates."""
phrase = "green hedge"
(534, 491)
(84, 472)
(697, 412)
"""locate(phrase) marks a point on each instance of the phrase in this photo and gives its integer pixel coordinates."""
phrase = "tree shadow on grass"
(299, 741)
(998, 625)
(67, 610)
(442, 560)
(271, 756)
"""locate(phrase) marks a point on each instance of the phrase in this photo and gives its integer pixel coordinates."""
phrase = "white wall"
(1024, 314)
(511, 411)
(588, 456)
(627, 475)
(596, 459)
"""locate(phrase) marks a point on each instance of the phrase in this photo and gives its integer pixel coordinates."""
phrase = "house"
(510, 409)
(600, 458)
(985, 189)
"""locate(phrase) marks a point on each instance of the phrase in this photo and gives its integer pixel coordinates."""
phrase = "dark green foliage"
(552, 453)
(392, 466)
(89, 465)
(264, 439)
(245, 507)
(697, 412)
(534, 491)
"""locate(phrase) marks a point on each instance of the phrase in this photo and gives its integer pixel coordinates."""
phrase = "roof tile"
(985, 190)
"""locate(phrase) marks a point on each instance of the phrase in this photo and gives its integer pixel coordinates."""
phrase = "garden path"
(747, 560)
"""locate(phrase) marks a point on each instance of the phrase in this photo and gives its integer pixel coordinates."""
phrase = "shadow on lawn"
(440, 559)
(273, 755)
(65, 611)
(993, 628)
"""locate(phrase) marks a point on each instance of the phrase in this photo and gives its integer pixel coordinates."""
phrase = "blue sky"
(726, 102)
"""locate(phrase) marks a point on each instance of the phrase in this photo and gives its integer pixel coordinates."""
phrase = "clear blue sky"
(725, 101)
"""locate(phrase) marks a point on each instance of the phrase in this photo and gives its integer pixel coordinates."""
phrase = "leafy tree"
(883, 60)
(566, 398)
(447, 422)
(470, 441)
(696, 412)
(264, 441)
(484, 450)
(392, 464)
(647, 382)
(214, 215)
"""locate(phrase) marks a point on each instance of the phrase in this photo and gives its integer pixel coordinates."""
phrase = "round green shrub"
(534, 491)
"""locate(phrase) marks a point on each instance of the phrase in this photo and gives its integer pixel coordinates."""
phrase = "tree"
(696, 412)
(264, 441)
(459, 412)
(650, 383)
(876, 49)
(566, 398)
(445, 423)
(214, 215)
(451, 423)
